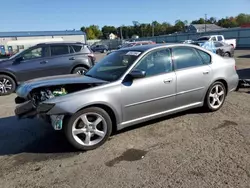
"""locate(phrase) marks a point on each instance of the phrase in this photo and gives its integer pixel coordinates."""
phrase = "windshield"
(114, 65)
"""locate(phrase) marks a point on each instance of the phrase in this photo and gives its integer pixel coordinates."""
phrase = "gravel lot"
(191, 149)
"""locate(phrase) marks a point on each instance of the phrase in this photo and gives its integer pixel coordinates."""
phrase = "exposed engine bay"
(41, 94)
(28, 107)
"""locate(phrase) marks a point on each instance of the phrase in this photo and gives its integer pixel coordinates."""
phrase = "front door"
(193, 75)
(33, 65)
(153, 94)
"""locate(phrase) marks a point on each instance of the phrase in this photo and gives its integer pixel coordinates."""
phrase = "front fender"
(72, 103)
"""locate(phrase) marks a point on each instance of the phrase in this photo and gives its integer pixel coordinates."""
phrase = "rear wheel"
(215, 96)
(7, 85)
(88, 129)
(79, 70)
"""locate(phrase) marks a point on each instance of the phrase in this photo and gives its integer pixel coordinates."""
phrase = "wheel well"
(10, 75)
(224, 83)
(110, 113)
(82, 65)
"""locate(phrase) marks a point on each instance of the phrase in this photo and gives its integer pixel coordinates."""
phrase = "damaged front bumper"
(28, 110)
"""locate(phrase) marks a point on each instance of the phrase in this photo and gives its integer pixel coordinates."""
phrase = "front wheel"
(88, 129)
(7, 85)
(215, 97)
(79, 70)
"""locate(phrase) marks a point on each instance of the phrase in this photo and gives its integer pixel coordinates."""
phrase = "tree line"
(155, 28)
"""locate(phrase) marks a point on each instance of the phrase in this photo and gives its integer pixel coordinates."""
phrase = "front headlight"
(45, 107)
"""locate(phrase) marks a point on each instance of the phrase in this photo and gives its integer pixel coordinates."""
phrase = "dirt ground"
(191, 149)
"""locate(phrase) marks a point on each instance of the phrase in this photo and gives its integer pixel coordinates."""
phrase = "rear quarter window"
(77, 48)
(206, 58)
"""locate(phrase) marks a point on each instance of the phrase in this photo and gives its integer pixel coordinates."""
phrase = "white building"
(112, 36)
(12, 42)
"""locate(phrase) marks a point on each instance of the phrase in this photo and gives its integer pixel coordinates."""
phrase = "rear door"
(60, 60)
(193, 72)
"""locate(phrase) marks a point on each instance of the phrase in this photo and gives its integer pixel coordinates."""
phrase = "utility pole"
(153, 29)
(121, 33)
(205, 22)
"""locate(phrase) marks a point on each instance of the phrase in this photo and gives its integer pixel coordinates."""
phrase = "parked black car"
(224, 49)
(100, 48)
(41, 60)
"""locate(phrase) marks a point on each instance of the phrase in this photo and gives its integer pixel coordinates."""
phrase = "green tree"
(179, 25)
(97, 32)
(90, 33)
(243, 18)
(106, 30)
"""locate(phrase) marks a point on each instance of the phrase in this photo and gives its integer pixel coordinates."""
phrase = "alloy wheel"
(5, 85)
(80, 72)
(216, 96)
(89, 129)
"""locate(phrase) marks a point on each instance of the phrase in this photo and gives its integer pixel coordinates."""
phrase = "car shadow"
(30, 136)
(244, 56)
(244, 73)
(39, 139)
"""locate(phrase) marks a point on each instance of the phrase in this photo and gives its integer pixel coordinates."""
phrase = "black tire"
(79, 70)
(10, 82)
(104, 51)
(227, 54)
(207, 103)
(68, 127)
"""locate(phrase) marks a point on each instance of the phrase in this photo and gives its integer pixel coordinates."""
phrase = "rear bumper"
(233, 83)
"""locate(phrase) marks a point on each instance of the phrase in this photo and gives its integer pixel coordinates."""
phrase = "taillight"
(91, 55)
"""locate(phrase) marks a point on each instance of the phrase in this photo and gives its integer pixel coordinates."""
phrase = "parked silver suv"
(129, 86)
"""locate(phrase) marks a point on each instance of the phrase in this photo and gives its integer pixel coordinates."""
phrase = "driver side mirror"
(19, 59)
(137, 73)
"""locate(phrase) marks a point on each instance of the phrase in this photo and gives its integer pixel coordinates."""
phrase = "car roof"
(147, 47)
(62, 43)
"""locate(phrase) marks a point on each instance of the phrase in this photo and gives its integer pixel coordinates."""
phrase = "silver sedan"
(127, 87)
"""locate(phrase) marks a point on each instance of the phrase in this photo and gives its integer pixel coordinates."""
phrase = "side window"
(32, 54)
(213, 39)
(157, 62)
(186, 57)
(77, 48)
(219, 38)
(71, 50)
(205, 56)
(59, 50)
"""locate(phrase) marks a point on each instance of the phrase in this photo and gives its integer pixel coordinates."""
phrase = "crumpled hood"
(25, 88)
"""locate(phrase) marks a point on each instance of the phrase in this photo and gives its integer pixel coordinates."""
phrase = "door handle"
(205, 72)
(168, 80)
(72, 58)
(43, 62)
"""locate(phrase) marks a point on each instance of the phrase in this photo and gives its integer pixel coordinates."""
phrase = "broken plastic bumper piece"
(57, 121)
(25, 110)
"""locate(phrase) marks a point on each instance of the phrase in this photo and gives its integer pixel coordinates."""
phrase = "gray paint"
(149, 98)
